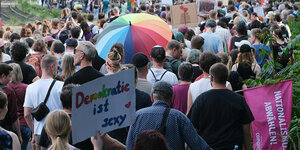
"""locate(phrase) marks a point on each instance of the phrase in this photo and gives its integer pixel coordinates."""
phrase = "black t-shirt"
(84, 75)
(97, 62)
(45, 141)
(237, 39)
(218, 116)
(28, 71)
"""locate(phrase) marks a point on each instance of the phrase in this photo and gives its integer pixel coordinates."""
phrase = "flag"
(130, 3)
(271, 106)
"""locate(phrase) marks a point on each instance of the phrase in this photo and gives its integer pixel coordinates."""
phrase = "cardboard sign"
(271, 107)
(167, 2)
(225, 2)
(204, 6)
(185, 14)
(104, 104)
(259, 11)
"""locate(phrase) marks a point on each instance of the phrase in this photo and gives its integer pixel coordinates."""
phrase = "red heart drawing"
(185, 9)
(128, 105)
(181, 7)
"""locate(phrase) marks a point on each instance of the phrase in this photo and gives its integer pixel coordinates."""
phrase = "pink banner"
(271, 107)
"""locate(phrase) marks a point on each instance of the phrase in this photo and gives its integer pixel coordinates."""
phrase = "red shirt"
(12, 114)
(20, 90)
(200, 77)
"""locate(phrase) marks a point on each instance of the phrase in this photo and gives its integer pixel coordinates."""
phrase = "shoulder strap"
(153, 74)
(163, 75)
(162, 128)
(49, 90)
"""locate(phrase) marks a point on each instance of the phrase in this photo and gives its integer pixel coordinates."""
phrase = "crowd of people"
(188, 94)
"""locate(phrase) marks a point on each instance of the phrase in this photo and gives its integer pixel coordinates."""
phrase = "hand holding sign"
(104, 104)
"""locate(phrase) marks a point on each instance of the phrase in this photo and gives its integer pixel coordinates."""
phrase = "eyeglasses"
(108, 64)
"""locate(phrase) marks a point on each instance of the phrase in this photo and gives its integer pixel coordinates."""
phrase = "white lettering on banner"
(258, 141)
(271, 122)
(281, 118)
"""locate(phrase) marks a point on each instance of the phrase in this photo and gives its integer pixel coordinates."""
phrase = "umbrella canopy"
(137, 32)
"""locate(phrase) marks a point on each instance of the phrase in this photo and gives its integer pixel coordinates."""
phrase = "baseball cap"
(158, 53)
(245, 48)
(239, 44)
(179, 36)
(139, 60)
(72, 43)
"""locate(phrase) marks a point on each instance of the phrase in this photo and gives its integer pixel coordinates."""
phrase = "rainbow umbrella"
(137, 32)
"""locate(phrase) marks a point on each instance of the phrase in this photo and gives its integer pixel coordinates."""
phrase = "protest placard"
(259, 11)
(225, 2)
(104, 104)
(271, 106)
(185, 14)
(167, 2)
(204, 6)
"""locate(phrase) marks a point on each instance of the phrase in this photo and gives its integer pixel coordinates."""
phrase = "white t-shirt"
(200, 87)
(36, 93)
(5, 57)
(169, 77)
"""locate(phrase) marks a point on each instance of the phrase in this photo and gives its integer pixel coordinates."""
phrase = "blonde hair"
(236, 20)
(245, 57)
(67, 66)
(115, 60)
(65, 13)
(6, 35)
(58, 126)
(17, 76)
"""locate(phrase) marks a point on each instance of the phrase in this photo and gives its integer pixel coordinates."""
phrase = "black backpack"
(168, 65)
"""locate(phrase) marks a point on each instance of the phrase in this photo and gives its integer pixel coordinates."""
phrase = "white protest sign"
(167, 2)
(259, 11)
(104, 104)
(225, 2)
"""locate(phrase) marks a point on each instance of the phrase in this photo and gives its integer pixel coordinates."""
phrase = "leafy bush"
(269, 75)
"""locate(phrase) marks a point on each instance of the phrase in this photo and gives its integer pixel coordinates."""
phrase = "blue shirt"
(179, 129)
(212, 42)
(259, 58)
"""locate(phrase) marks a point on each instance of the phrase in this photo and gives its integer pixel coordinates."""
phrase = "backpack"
(35, 61)
(168, 65)
(156, 80)
(245, 71)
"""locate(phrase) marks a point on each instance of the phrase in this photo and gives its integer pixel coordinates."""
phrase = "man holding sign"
(173, 124)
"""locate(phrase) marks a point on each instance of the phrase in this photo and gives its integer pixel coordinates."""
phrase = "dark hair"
(18, 51)
(254, 14)
(279, 33)
(277, 17)
(101, 16)
(3, 99)
(1, 32)
(143, 7)
(220, 3)
(231, 8)
(75, 32)
(242, 29)
(14, 36)
(90, 17)
(207, 59)
(120, 48)
(197, 42)
(5, 69)
(173, 44)
(58, 47)
(85, 27)
(219, 72)
(66, 96)
(74, 15)
(233, 54)
(222, 24)
(150, 140)
(191, 33)
(29, 42)
(186, 71)
(255, 24)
